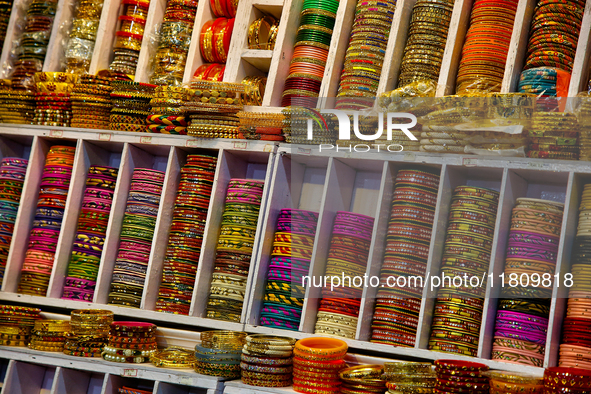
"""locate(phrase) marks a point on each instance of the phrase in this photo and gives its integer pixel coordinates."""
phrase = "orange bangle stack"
(214, 40)
(316, 365)
(487, 43)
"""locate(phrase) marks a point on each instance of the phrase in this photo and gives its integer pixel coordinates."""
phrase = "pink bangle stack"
(55, 182)
(347, 258)
(575, 350)
(521, 329)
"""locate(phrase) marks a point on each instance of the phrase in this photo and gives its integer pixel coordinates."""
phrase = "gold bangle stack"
(49, 335)
(262, 33)
(174, 357)
(267, 361)
(89, 330)
(219, 353)
(254, 90)
(16, 323)
(410, 378)
(362, 379)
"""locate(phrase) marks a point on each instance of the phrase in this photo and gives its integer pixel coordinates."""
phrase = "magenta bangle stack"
(90, 234)
(396, 313)
(575, 350)
(290, 261)
(522, 318)
(235, 244)
(55, 182)
(12, 176)
(135, 242)
(347, 257)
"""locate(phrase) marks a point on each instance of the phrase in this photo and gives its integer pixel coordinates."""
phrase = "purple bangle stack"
(90, 234)
(12, 177)
(347, 258)
(522, 318)
(135, 241)
(40, 254)
(290, 261)
(468, 243)
(396, 314)
(186, 235)
(235, 244)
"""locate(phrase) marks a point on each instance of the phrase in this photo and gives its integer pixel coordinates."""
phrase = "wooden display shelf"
(34, 371)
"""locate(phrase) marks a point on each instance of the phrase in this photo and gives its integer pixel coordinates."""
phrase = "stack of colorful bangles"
(93, 93)
(186, 235)
(410, 377)
(484, 55)
(396, 314)
(317, 362)
(167, 115)
(214, 40)
(174, 43)
(82, 36)
(135, 241)
(130, 342)
(532, 249)
(17, 106)
(310, 53)
(427, 35)
(459, 376)
(567, 380)
(173, 357)
(131, 105)
(514, 382)
(16, 323)
(52, 98)
(468, 243)
(40, 255)
(5, 9)
(347, 257)
(212, 107)
(544, 82)
(554, 135)
(261, 126)
(362, 379)
(33, 43)
(129, 37)
(365, 54)
(235, 244)
(575, 348)
(89, 332)
(90, 234)
(267, 361)
(290, 261)
(12, 176)
(49, 335)
(219, 353)
(554, 34)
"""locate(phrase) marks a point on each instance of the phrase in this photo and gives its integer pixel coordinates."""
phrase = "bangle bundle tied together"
(89, 332)
(267, 361)
(49, 335)
(219, 353)
(16, 323)
(409, 378)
